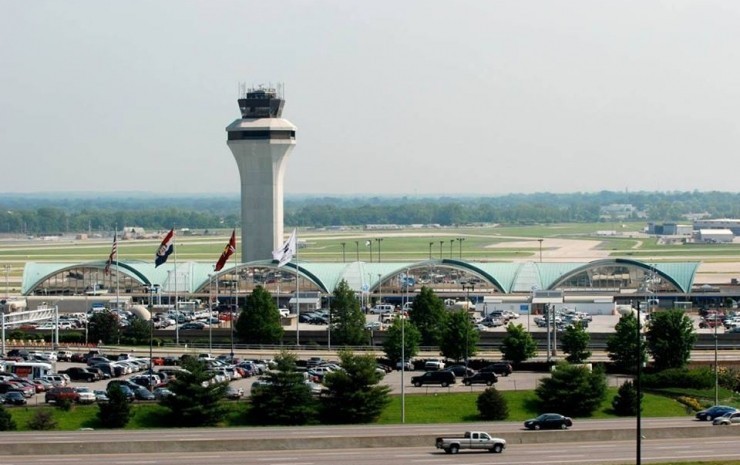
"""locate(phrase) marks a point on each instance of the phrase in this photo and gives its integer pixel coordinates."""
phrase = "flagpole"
(297, 296)
(177, 307)
(236, 298)
(118, 271)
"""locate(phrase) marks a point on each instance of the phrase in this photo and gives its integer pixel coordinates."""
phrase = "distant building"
(670, 229)
(715, 235)
(618, 211)
(721, 223)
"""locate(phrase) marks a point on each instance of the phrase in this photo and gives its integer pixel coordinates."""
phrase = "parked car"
(713, 412)
(162, 392)
(14, 398)
(142, 393)
(101, 396)
(461, 370)
(60, 393)
(442, 377)
(193, 326)
(549, 421)
(81, 374)
(434, 364)
(85, 395)
(500, 368)
(234, 393)
(483, 377)
(728, 419)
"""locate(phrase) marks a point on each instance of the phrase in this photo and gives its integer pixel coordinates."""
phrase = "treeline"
(53, 214)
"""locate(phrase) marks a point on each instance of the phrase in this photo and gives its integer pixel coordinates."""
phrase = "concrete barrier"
(79, 445)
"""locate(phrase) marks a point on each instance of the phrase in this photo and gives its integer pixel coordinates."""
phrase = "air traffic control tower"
(261, 141)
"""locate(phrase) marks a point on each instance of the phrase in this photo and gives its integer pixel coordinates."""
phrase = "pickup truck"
(477, 440)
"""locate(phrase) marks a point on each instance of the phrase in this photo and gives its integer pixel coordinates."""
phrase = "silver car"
(728, 419)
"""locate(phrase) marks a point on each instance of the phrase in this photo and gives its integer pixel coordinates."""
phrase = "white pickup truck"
(477, 440)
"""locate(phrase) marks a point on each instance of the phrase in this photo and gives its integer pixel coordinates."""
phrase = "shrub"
(6, 420)
(116, 412)
(729, 378)
(700, 378)
(690, 402)
(492, 405)
(625, 402)
(572, 390)
(64, 404)
(42, 420)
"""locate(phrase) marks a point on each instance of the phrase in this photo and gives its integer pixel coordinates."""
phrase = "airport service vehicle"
(477, 440)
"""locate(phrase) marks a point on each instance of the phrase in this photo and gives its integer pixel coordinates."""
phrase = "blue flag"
(165, 248)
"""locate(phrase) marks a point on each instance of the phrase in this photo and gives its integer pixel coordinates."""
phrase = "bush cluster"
(729, 378)
(492, 405)
(699, 378)
(625, 402)
(690, 402)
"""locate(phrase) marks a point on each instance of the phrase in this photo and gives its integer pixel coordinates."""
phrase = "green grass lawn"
(419, 409)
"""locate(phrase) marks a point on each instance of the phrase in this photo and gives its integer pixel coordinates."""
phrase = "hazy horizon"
(413, 98)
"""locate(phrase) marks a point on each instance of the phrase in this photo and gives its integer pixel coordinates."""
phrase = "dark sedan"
(549, 421)
(461, 370)
(14, 398)
(714, 412)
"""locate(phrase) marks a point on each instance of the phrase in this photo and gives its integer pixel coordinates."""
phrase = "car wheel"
(497, 449)
(448, 451)
(489, 383)
(417, 384)
(468, 383)
(536, 427)
(454, 449)
(563, 426)
(709, 418)
(445, 384)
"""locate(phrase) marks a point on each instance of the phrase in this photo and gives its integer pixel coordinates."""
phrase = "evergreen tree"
(572, 390)
(492, 405)
(6, 420)
(104, 326)
(355, 395)
(347, 319)
(428, 315)
(458, 339)
(196, 401)
(574, 342)
(622, 345)
(259, 322)
(518, 344)
(670, 337)
(394, 337)
(137, 332)
(625, 402)
(117, 411)
(283, 397)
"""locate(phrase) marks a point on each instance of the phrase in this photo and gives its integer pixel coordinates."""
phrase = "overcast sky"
(389, 97)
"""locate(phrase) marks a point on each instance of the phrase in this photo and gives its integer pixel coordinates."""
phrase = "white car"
(85, 395)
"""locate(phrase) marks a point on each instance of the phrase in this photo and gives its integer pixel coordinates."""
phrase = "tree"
(283, 397)
(355, 395)
(622, 345)
(196, 402)
(347, 319)
(401, 330)
(518, 344)
(6, 420)
(670, 337)
(574, 342)
(104, 326)
(428, 315)
(625, 402)
(572, 390)
(458, 339)
(117, 411)
(138, 331)
(492, 405)
(259, 322)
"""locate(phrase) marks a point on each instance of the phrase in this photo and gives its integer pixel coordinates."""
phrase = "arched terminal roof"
(506, 278)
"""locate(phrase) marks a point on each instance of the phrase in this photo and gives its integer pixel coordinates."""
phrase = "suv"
(485, 377)
(443, 378)
(56, 394)
(500, 368)
(434, 364)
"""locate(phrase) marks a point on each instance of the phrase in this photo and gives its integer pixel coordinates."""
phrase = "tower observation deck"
(260, 141)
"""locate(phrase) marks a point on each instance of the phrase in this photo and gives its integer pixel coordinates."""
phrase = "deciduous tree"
(347, 319)
(574, 342)
(401, 330)
(259, 321)
(428, 315)
(518, 344)
(458, 339)
(622, 345)
(572, 390)
(670, 337)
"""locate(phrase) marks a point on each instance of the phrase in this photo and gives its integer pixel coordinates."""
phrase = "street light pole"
(7, 285)
(638, 388)
(716, 367)
(540, 240)
(343, 256)
(452, 241)
(430, 250)
(379, 240)
(460, 240)
(357, 249)
(441, 243)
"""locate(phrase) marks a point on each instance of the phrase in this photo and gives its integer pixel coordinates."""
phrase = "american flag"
(112, 257)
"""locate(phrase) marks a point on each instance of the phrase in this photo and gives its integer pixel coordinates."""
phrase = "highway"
(612, 452)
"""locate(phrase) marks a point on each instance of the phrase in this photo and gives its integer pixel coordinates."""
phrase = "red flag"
(228, 251)
(112, 257)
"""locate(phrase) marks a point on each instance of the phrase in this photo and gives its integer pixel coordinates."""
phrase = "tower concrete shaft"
(260, 142)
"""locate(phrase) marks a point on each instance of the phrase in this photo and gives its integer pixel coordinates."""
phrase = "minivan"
(443, 378)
